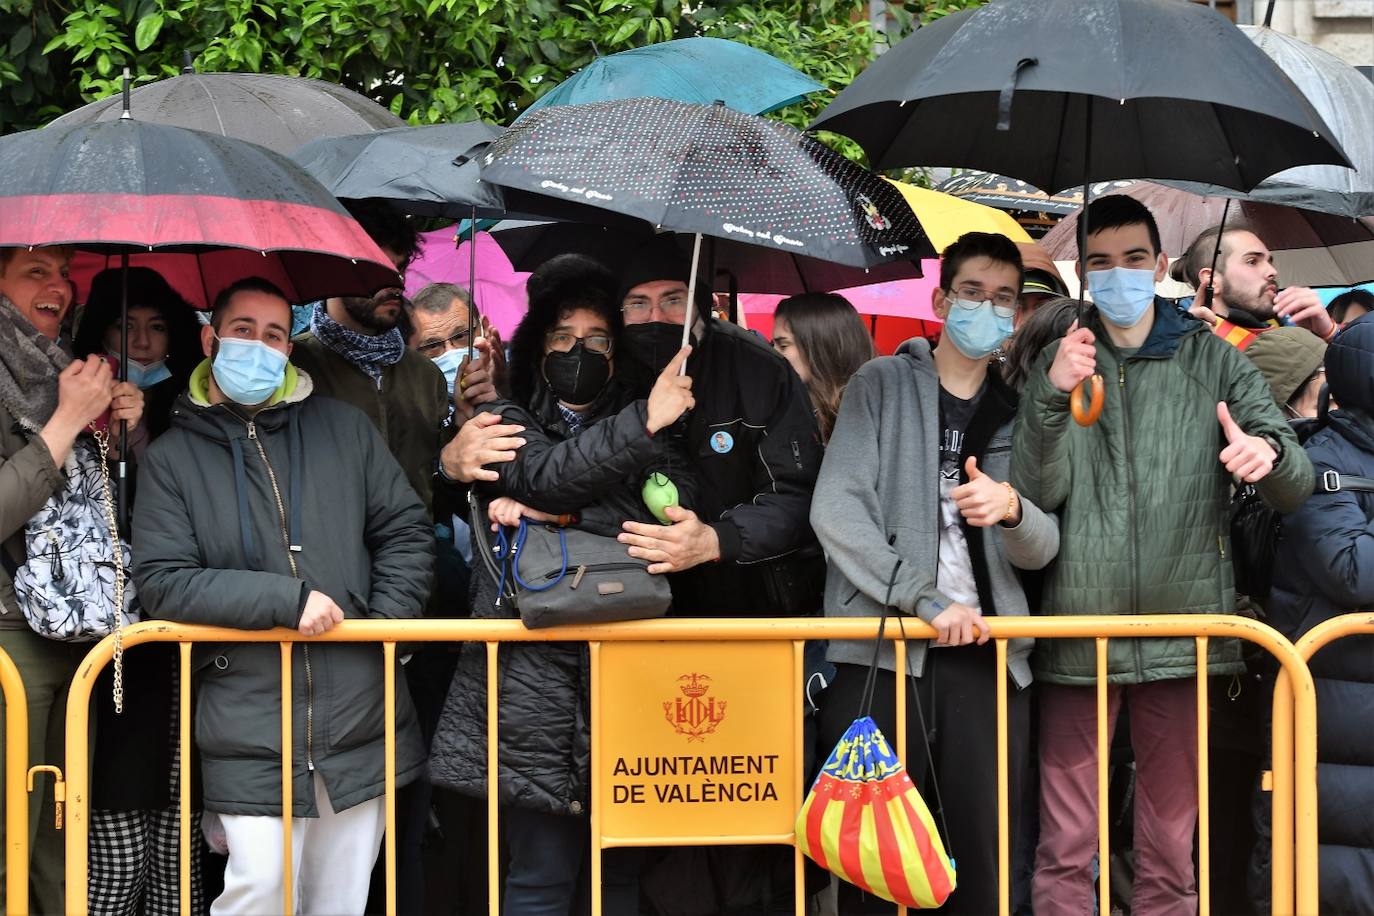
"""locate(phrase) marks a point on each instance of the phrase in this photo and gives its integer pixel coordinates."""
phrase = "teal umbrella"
(695, 70)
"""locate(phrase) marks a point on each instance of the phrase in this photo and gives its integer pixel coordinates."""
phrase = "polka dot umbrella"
(710, 170)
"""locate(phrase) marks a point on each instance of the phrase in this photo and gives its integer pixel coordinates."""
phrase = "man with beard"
(1246, 298)
(355, 353)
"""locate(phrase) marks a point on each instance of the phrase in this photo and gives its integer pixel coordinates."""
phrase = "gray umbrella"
(279, 112)
(1345, 100)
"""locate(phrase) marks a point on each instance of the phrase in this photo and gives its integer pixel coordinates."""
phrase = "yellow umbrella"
(946, 217)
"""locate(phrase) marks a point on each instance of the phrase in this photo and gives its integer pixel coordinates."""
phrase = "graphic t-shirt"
(955, 575)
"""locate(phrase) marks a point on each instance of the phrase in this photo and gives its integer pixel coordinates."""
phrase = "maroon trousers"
(1164, 738)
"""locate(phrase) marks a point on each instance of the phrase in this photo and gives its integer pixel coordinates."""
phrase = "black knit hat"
(662, 258)
(1350, 365)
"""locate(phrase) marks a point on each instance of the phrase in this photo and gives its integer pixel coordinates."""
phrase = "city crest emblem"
(694, 714)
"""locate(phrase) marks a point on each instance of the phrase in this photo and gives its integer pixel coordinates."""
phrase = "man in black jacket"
(232, 532)
(749, 549)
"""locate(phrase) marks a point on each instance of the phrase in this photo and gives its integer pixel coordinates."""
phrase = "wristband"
(1011, 501)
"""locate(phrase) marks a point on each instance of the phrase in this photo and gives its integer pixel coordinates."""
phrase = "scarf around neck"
(29, 366)
(370, 354)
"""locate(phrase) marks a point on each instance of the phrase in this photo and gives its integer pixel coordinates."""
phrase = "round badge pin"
(722, 442)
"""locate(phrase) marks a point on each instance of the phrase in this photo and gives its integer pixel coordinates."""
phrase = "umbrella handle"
(1087, 408)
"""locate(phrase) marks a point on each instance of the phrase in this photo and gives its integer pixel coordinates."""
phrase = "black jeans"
(958, 702)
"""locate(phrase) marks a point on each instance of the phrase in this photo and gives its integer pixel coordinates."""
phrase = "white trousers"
(332, 858)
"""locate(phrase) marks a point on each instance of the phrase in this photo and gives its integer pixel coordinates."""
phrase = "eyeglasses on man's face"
(433, 348)
(973, 297)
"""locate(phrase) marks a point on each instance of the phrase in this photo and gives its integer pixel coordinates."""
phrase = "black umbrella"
(278, 112)
(730, 266)
(1151, 89)
(710, 170)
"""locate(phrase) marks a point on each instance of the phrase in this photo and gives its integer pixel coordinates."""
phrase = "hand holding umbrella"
(1075, 364)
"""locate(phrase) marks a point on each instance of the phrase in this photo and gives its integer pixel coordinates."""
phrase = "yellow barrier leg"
(1204, 867)
(899, 650)
(1104, 846)
(287, 802)
(1003, 788)
(799, 786)
(16, 799)
(1281, 799)
(493, 781)
(389, 728)
(598, 793)
(184, 776)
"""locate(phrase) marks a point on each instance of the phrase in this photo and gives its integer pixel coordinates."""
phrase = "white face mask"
(449, 362)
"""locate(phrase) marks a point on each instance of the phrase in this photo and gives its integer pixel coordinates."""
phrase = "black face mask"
(577, 376)
(652, 344)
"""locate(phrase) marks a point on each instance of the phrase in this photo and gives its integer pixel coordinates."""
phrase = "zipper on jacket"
(1130, 504)
(290, 558)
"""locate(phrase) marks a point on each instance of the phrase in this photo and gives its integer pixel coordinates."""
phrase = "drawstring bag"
(864, 820)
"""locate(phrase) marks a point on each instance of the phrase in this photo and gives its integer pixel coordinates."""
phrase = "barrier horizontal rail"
(1294, 773)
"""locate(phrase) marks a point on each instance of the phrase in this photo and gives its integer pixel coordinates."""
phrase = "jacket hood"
(1286, 357)
(1169, 330)
(1350, 365)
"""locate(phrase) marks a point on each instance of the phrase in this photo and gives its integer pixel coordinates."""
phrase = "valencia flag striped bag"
(864, 820)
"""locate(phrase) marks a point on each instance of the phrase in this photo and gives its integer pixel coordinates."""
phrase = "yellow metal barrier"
(1285, 688)
(16, 788)
(1293, 777)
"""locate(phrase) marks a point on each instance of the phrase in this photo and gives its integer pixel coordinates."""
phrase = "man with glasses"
(748, 549)
(915, 516)
(438, 329)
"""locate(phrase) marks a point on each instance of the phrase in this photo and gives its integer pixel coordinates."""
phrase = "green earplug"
(659, 493)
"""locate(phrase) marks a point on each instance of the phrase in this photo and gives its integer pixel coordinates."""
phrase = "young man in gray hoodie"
(914, 515)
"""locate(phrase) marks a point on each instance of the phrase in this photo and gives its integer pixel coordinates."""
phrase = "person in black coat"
(134, 786)
(588, 449)
(1325, 568)
(748, 550)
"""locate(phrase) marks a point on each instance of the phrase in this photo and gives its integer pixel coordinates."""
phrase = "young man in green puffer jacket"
(1143, 500)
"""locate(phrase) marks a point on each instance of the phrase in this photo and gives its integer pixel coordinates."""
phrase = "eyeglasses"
(562, 342)
(971, 298)
(435, 346)
(672, 306)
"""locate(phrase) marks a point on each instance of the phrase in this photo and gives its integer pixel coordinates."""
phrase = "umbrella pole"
(472, 276)
(691, 298)
(121, 481)
(1208, 292)
(1085, 403)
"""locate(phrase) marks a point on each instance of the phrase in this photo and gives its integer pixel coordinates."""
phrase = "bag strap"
(102, 442)
(909, 676)
(489, 553)
(1334, 482)
(518, 547)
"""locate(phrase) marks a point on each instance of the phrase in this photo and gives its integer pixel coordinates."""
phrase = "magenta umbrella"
(500, 287)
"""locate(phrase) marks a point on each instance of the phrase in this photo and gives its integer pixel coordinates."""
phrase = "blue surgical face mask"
(449, 362)
(145, 375)
(1122, 294)
(248, 371)
(975, 329)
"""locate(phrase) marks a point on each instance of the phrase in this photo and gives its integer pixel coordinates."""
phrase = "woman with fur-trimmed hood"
(588, 449)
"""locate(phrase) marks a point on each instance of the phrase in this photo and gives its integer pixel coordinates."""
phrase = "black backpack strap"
(1334, 482)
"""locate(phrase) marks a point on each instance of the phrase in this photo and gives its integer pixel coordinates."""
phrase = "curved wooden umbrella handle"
(1085, 407)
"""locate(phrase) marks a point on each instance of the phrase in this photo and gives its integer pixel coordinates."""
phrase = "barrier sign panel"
(697, 739)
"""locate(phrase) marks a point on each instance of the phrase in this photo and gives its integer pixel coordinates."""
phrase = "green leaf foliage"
(428, 61)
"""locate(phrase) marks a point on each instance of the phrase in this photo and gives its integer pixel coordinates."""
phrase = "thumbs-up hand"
(1248, 457)
(983, 501)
